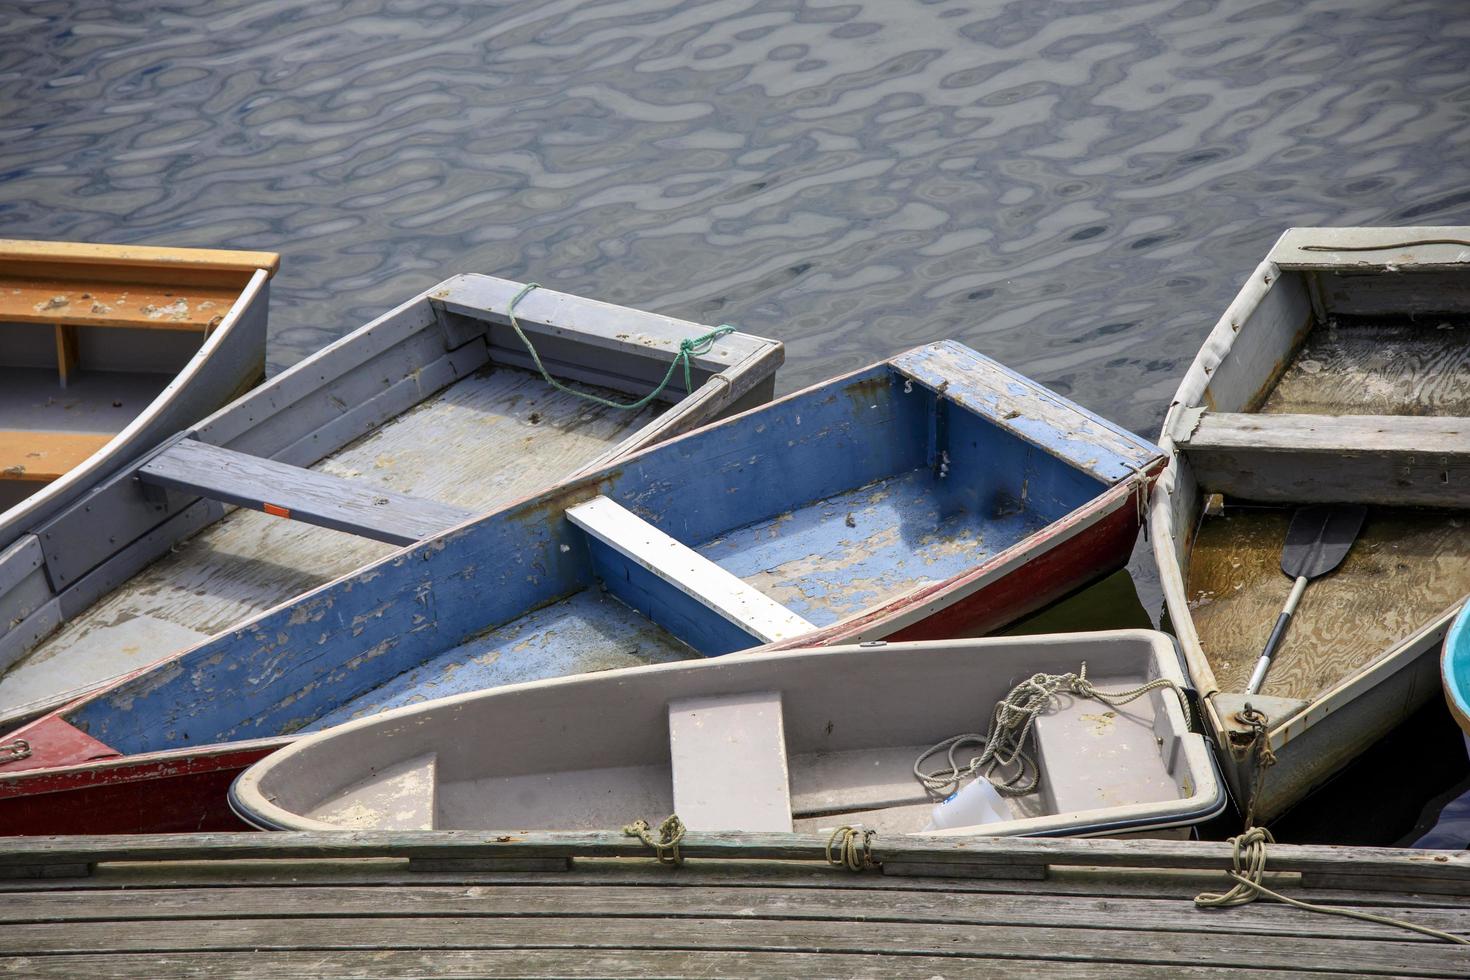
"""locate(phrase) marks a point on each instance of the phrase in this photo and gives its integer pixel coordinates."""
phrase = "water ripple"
(1076, 188)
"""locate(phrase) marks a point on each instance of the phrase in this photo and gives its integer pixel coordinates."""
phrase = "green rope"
(689, 347)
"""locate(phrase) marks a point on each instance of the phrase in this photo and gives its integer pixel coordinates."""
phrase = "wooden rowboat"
(804, 741)
(931, 495)
(413, 423)
(105, 350)
(1340, 374)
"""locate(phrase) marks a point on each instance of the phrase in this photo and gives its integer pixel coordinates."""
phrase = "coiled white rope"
(1011, 726)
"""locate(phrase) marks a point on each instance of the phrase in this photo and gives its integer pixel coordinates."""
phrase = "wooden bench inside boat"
(44, 456)
(68, 287)
(728, 762)
(691, 596)
(1403, 460)
(296, 493)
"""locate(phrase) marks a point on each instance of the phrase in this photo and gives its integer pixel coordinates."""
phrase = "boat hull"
(1454, 674)
(173, 792)
(792, 741)
(1312, 733)
(918, 469)
(437, 399)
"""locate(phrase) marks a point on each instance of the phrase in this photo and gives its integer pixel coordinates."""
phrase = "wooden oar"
(1317, 541)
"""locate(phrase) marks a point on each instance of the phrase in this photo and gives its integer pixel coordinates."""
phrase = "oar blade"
(1320, 537)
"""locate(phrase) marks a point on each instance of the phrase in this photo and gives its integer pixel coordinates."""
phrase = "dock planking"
(354, 911)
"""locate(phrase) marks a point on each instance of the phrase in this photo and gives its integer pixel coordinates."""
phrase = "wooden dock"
(350, 905)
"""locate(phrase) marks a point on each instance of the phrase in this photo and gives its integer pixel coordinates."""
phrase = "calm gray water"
(1076, 188)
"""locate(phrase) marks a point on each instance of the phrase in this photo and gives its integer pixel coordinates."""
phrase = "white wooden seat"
(685, 570)
(728, 757)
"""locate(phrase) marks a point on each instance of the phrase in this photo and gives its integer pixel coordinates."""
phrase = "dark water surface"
(1076, 188)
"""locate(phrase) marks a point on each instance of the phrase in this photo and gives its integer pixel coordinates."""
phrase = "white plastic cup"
(975, 803)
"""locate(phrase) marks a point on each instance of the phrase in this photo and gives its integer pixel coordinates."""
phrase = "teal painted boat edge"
(1455, 669)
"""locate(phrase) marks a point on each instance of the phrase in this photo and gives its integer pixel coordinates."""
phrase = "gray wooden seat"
(728, 758)
(1402, 460)
(298, 494)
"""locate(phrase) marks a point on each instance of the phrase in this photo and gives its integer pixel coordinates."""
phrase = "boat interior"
(85, 346)
(805, 741)
(759, 529)
(461, 433)
(1359, 364)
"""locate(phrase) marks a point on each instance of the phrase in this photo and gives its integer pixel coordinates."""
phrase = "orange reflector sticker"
(276, 511)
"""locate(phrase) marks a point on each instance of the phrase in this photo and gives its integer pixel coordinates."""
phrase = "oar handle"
(1258, 676)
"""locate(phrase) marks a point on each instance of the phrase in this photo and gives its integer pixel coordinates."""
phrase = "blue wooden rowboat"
(434, 412)
(933, 494)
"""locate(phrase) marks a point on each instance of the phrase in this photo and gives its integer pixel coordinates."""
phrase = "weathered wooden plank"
(136, 256)
(614, 330)
(1377, 459)
(459, 964)
(712, 899)
(286, 491)
(67, 352)
(23, 585)
(683, 569)
(328, 383)
(961, 869)
(22, 636)
(82, 302)
(389, 874)
(41, 457)
(495, 865)
(1445, 866)
(1041, 417)
(737, 932)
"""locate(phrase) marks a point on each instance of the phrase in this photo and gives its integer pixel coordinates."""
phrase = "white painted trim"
(687, 570)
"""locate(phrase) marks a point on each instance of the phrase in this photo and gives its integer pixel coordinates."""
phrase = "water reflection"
(1075, 188)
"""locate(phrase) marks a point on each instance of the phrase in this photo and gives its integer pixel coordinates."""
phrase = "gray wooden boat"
(411, 424)
(804, 740)
(106, 350)
(1340, 374)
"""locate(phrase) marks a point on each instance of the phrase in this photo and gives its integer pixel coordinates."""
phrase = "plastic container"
(976, 802)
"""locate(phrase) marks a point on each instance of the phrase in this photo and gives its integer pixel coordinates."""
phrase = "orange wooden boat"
(105, 350)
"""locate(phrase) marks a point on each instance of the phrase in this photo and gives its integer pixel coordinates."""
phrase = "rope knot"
(852, 849)
(670, 833)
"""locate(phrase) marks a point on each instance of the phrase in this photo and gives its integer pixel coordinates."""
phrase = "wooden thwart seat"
(70, 285)
(728, 757)
(298, 494)
(44, 456)
(1373, 459)
(683, 570)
